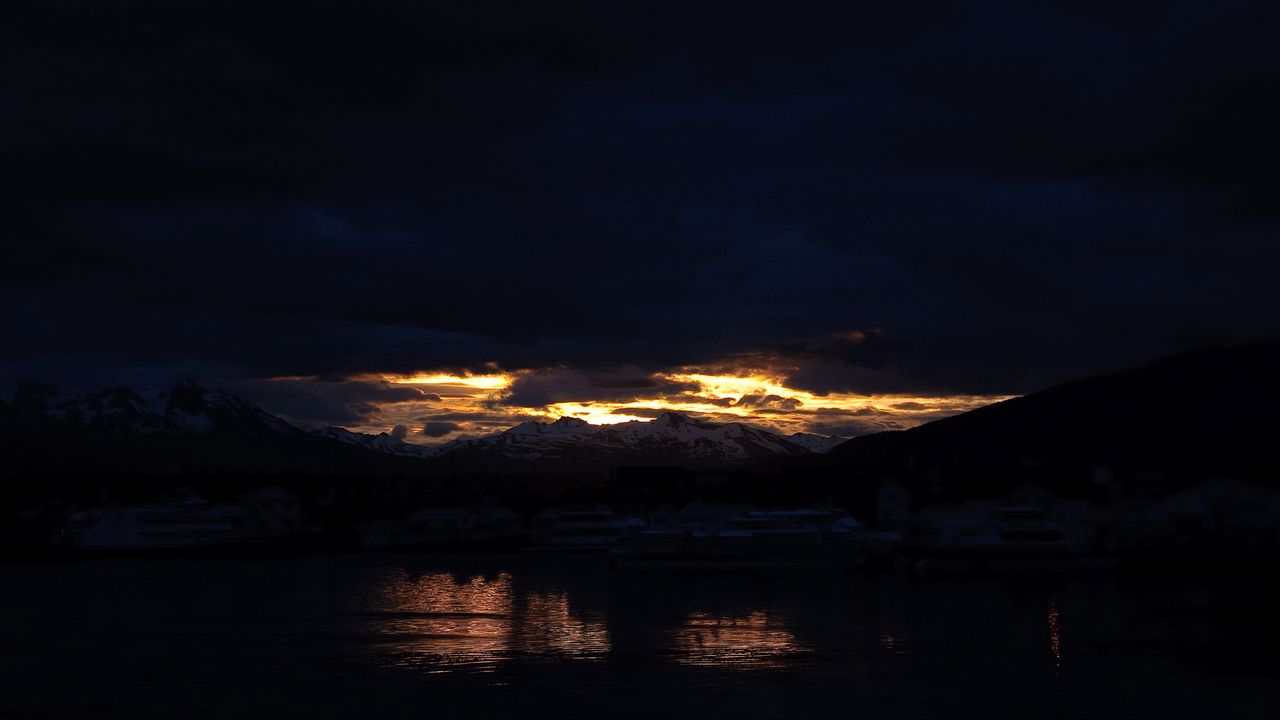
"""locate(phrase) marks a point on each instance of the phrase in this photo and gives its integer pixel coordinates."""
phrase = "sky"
(438, 219)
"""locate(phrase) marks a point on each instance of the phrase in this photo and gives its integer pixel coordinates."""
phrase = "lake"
(423, 636)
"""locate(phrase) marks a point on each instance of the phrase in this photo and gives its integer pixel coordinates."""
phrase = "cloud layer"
(927, 200)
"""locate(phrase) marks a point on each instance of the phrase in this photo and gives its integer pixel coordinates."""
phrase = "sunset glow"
(451, 404)
(482, 382)
(729, 385)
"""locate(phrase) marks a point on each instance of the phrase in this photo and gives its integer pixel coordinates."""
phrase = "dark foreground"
(525, 636)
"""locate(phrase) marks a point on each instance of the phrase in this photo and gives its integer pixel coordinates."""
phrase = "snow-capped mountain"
(185, 409)
(669, 438)
(189, 415)
(185, 429)
(814, 443)
(382, 442)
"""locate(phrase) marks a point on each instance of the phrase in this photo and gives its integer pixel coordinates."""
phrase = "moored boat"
(759, 539)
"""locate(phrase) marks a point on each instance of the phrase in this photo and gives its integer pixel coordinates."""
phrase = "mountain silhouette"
(1212, 411)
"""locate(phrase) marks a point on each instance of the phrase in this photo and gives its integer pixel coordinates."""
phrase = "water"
(423, 636)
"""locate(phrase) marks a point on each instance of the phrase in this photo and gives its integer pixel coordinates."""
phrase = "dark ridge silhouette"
(1204, 412)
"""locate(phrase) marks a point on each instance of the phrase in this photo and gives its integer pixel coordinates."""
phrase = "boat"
(1017, 530)
(1013, 538)
(161, 526)
(588, 530)
(445, 527)
(758, 539)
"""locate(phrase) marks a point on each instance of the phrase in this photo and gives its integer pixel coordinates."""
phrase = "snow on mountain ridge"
(815, 443)
(189, 409)
(382, 442)
(185, 409)
(670, 435)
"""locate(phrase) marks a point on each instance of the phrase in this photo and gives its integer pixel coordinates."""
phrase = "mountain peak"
(528, 427)
(669, 418)
(815, 443)
(189, 397)
(671, 437)
(382, 442)
(186, 408)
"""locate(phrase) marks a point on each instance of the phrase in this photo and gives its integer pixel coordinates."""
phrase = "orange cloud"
(453, 405)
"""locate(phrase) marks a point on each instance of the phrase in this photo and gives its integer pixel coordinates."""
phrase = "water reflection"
(1055, 633)
(437, 621)
(547, 626)
(350, 636)
(757, 641)
(440, 622)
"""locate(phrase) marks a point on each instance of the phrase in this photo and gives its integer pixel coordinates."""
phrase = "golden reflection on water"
(756, 641)
(547, 626)
(1055, 633)
(438, 622)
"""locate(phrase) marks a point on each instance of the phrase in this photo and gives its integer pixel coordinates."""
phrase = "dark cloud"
(646, 412)
(461, 415)
(321, 403)
(399, 432)
(690, 398)
(766, 401)
(438, 429)
(854, 428)
(544, 387)
(910, 406)
(860, 421)
(625, 383)
(470, 421)
(1013, 195)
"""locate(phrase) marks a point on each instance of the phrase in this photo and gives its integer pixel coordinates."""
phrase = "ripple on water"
(758, 640)
(440, 622)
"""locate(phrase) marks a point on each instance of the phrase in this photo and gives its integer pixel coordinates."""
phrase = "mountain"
(670, 439)
(180, 430)
(382, 442)
(1211, 411)
(816, 444)
(189, 428)
(185, 409)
